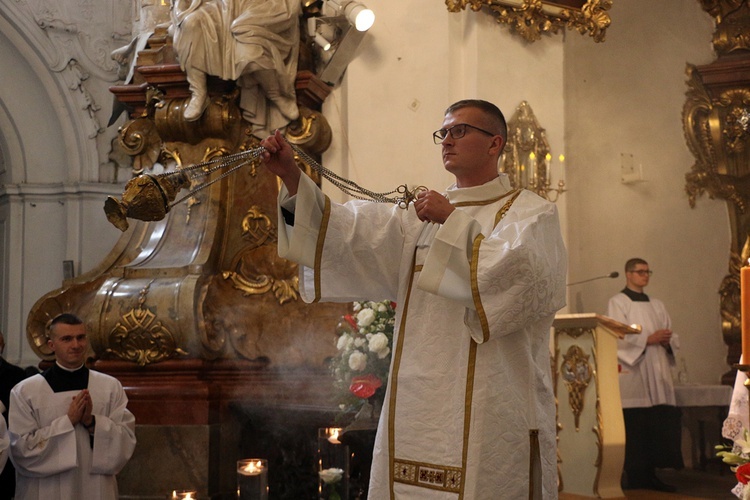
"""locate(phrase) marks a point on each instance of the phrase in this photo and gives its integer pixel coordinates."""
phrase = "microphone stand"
(613, 274)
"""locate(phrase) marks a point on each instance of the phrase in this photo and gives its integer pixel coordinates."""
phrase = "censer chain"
(349, 187)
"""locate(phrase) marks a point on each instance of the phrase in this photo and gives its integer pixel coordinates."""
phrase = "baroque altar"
(195, 313)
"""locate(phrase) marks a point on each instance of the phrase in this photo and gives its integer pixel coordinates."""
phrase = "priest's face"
(69, 343)
(470, 150)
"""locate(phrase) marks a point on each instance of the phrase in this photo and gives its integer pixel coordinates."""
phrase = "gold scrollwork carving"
(140, 140)
(140, 337)
(257, 227)
(533, 18)
(732, 18)
(310, 131)
(576, 372)
(716, 132)
(257, 270)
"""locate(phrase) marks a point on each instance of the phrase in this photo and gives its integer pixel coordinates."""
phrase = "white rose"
(357, 306)
(343, 341)
(357, 361)
(378, 343)
(385, 352)
(330, 476)
(381, 307)
(359, 342)
(365, 317)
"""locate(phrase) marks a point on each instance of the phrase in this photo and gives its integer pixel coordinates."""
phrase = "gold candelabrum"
(527, 159)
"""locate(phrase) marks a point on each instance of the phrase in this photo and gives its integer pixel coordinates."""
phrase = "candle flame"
(253, 468)
(334, 437)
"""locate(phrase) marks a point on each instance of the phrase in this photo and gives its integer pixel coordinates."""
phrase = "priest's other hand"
(80, 406)
(279, 158)
(432, 206)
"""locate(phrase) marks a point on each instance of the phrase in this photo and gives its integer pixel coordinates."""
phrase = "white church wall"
(55, 151)
(416, 60)
(625, 96)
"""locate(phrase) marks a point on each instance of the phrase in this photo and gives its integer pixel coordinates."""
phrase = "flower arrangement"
(738, 458)
(360, 367)
(331, 477)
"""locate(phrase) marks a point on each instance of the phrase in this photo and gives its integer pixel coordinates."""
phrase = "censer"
(149, 197)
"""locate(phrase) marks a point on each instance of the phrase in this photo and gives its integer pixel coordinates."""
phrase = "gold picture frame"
(533, 18)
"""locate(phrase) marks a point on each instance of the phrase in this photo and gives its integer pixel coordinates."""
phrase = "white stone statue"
(255, 42)
(149, 15)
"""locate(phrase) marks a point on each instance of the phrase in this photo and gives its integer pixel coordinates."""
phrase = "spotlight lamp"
(355, 12)
(336, 33)
(322, 42)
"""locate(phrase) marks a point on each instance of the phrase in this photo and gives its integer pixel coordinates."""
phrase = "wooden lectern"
(590, 426)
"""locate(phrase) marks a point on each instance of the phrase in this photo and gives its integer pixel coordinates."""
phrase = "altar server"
(4, 440)
(70, 430)
(652, 419)
(478, 272)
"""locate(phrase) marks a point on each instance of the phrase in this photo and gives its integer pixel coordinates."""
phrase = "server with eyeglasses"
(652, 419)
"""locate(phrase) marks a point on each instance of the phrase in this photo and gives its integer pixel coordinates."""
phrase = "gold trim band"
(435, 477)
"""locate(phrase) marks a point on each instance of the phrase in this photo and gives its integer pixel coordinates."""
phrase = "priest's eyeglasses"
(643, 272)
(456, 131)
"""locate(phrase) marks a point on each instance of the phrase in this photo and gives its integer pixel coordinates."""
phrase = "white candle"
(252, 479)
(184, 495)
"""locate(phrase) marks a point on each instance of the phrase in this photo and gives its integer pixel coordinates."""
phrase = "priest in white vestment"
(652, 419)
(70, 429)
(478, 273)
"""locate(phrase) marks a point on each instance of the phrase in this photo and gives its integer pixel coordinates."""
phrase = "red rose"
(353, 322)
(365, 386)
(743, 473)
(393, 305)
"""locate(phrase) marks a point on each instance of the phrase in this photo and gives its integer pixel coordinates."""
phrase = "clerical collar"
(635, 296)
(486, 191)
(62, 379)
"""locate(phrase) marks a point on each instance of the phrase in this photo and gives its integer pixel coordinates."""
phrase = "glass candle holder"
(183, 495)
(252, 479)
(333, 463)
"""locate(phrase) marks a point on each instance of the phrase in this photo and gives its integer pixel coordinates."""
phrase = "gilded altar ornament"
(140, 337)
(533, 18)
(576, 372)
(256, 270)
(716, 132)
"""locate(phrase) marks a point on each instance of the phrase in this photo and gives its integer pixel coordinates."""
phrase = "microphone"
(613, 274)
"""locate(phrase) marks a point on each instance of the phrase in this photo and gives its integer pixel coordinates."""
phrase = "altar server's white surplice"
(469, 404)
(4, 439)
(54, 459)
(646, 376)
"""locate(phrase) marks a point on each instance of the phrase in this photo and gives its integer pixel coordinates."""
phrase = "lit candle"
(184, 495)
(252, 479)
(745, 312)
(333, 437)
(561, 182)
(333, 455)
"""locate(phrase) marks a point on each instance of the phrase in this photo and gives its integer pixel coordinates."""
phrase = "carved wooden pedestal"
(591, 430)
